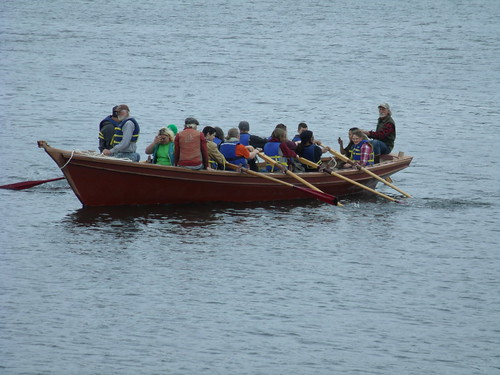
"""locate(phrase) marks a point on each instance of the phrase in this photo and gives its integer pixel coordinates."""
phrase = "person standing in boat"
(362, 150)
(162, 147)
(309, 150)
(237, 153)
(248, 139)
(216, 159)
(385, 134)
(191, 146)
(126, 136)
(107, 130)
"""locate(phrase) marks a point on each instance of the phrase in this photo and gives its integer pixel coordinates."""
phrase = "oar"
(330, 199)
(28, 184)
(388, 183)
(314, 165)
(288, 172)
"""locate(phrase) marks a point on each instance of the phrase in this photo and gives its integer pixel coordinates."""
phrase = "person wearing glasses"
(384, 135)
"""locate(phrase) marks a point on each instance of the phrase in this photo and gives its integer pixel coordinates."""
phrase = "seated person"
(162, 147)
(234, 151)
(216, 159)
(309, 150)
(277, 148)
(291, 145)
(300, 128)
(362, 150)
(219, 136)
(249, 139)
(384, 136)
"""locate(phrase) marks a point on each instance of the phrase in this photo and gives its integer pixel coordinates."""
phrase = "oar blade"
(330, 199)
(28, 184)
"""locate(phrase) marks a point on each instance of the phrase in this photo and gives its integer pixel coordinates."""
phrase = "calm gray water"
(370, 288)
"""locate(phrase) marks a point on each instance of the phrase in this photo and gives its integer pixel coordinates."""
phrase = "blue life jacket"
(217, 141)
(245, 139)
(117, 138)
(309, 153)
(272, 149)
(296, 138)
(103, 122)
(228, 149)
(356, 152)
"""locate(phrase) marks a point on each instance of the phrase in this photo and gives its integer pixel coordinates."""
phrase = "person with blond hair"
(162, 148)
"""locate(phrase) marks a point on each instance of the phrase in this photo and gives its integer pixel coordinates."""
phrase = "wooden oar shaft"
(263, 175)
(314, 165)
(319, 195)
(344, 158)
(288, 172)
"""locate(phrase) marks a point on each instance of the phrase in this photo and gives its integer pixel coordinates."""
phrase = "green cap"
(173, 128)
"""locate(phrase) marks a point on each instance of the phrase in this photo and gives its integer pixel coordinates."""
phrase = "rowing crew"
(209, 149)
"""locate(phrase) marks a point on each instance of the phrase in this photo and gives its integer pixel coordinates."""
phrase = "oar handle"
(319, 195)
(314, 165)
(344, 158)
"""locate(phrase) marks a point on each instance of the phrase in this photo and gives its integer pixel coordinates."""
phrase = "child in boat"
(362, 150)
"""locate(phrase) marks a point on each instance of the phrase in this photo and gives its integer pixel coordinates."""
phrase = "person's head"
(209, 133)
(244, 126)
(166, 135)
(384, 110)
(191, 122)
(306, 137)
(122, 111)
(219, 133)
(113, 112)
(279, 133)
(173, 128)
(357, 136)
(233, 133)
(301, 127)
(351, 130)
(282, 127)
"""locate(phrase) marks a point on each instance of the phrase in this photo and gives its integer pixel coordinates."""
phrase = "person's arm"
(257, 142)
(242, 151)
(204, 150)
(318, 152)
(365, 154)
(286, 151)
(107, 131)
(215, 154)
(177, 150)
(151, 147)
(386, 130)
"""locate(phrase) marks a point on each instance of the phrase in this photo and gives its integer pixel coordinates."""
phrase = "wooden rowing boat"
(105, 181)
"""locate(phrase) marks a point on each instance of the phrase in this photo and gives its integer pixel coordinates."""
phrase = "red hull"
(104, 181)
